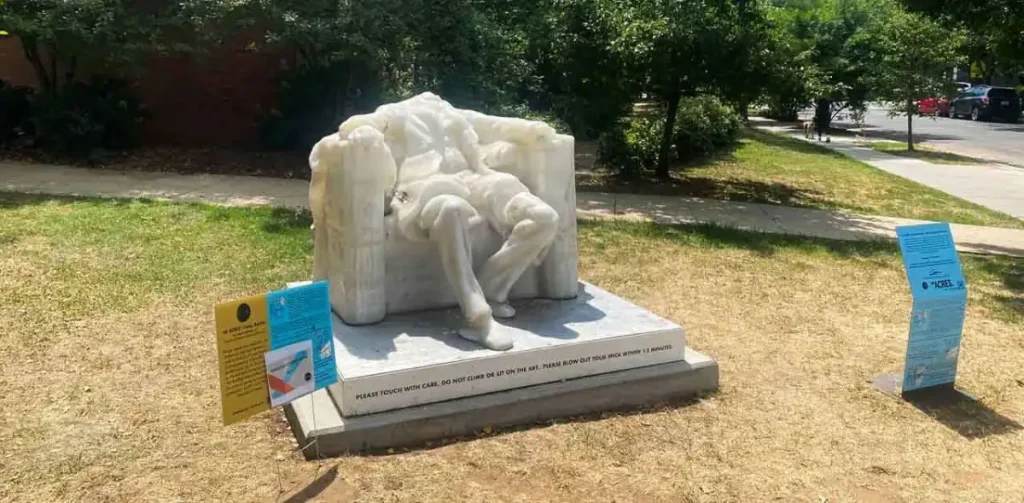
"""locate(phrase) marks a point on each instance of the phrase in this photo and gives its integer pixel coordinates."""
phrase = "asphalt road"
(994, 141)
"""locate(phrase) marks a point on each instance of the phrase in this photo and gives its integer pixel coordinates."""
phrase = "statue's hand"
(356, 122)
(543, 131)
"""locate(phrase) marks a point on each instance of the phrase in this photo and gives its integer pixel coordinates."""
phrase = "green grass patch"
(98, 256)
(776, 169)
(103, 255)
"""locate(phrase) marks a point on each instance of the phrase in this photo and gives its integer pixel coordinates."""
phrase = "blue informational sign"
(940, 301)
(303, 313)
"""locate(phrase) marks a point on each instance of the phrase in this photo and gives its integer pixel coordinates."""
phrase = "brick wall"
(218, 99)
(14, 68)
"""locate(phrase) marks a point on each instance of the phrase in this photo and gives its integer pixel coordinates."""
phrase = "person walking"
(823, 117)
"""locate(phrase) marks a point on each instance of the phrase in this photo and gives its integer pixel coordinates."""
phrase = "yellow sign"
(243, 336)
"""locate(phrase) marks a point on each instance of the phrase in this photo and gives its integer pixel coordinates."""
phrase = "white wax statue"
(444, 182)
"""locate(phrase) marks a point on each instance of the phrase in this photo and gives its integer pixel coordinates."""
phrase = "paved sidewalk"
(249, 191)
(996, 186)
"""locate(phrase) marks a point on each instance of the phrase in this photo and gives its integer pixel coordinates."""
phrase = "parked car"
(928, 106)
(986, 103)
(942, 104)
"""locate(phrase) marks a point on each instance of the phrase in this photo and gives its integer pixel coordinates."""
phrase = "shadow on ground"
(315, 489)
(673, 404)
(689, 184)
(684, 179)
(951, 407)
(872, 131)
(1009, 271)
(961, 412)
(282, 220)
(12, 200)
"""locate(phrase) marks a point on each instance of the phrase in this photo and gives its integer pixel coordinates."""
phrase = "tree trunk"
(910, 125)
(69, 76)
(666, 135)
(54, 76)
(31, 49)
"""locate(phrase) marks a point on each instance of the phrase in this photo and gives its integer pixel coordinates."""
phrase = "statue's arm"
(490, 128)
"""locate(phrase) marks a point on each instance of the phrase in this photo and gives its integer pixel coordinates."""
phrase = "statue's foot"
(502, 310)
(481, 331)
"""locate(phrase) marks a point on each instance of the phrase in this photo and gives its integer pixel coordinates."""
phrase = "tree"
(676, 48)
(578, 75)
(751, 50)
(828, 49)
(353, 55)
(472, 52)
(63, 39)
(916, 52)
(995, 40)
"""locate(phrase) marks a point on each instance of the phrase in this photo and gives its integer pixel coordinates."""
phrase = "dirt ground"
(110, 375)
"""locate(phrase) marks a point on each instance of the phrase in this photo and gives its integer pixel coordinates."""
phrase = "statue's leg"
(534, 226)
(446, 218)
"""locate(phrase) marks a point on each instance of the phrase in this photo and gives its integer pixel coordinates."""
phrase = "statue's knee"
(446, 210)
(454, 208)
(545, 218)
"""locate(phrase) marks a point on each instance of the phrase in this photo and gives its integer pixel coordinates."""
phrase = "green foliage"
(632, 146)
(824, 49)
(15, 114)
(347, 52)
(84, 117)
(354, 55)
(995, 40)
(471, 52)
(578, 76)
(916, 51)
(704, 126)
(674, 48)
(310, 105)
(108, 40)
(65, 38)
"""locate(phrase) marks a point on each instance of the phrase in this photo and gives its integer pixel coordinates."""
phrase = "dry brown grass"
(120, 402)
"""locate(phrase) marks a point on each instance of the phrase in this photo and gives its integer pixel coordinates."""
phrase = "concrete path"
(996, 186)
(249, 191)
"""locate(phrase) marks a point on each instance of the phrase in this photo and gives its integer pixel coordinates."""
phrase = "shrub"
(15, 114)
(632, 146)
(101, 114)
(313, 100)
(704, 125)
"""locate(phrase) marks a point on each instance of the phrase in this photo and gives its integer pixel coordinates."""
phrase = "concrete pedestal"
(316, 417)
(411, 378)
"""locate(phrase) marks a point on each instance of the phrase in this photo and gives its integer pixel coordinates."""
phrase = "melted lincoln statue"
(443, 177)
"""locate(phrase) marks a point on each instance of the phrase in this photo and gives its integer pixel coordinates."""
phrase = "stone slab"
(418, 358)
(322, 431)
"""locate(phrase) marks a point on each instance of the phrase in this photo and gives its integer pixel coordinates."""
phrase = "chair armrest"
(547, 167)
(349, 179)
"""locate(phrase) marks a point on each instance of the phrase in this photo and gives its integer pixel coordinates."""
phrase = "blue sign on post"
(303, 313)
(940, 299)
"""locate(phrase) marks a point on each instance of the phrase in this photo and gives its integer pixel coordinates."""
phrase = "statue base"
(411, 379)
